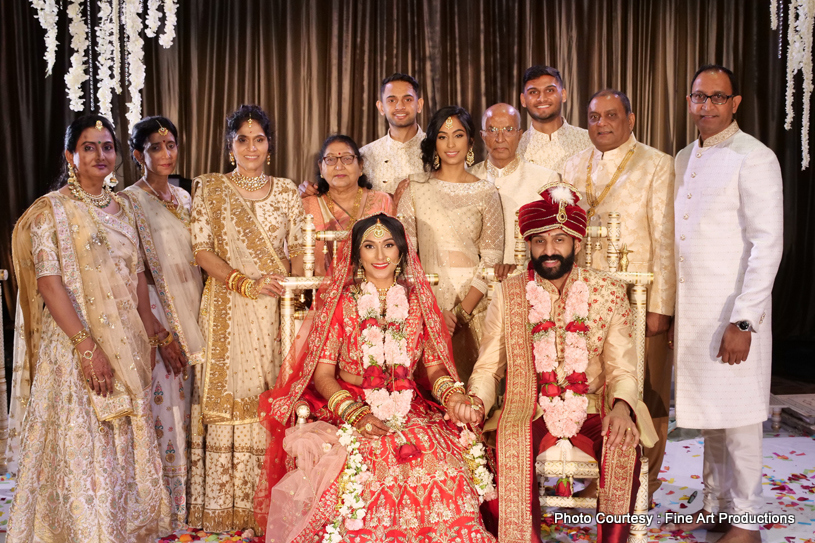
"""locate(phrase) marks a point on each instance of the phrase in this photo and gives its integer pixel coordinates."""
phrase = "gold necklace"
(593, 201)
(173, 206)
(355, 215)
(250, 184)
(101, 200)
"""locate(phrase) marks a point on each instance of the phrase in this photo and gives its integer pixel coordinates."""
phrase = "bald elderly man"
(518, 182)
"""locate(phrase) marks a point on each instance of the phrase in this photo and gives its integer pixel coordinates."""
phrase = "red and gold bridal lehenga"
(429, 498)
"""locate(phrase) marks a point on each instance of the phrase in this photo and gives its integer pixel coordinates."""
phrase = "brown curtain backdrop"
(315, 66)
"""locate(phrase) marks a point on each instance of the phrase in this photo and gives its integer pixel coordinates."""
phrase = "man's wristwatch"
(744, 326)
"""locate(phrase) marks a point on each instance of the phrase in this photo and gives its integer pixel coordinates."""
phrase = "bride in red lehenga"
(384, 461)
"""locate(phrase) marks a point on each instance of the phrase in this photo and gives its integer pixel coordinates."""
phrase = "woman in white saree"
(162, 213)
(89, 468)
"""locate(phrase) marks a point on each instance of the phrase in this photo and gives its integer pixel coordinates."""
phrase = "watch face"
(743, 325)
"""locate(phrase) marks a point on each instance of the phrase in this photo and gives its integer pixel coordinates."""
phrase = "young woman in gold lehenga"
(246, 233)
(89, 468)
(456, 221)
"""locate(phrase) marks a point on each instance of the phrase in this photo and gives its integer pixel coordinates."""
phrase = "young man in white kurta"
(643, 195)
(729, 239)
(550, 141)
(397, 154)
(518, 182)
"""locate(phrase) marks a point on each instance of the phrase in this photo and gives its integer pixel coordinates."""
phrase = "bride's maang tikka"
(378, 231)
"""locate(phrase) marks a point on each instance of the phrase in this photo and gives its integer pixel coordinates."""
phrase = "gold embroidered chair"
(572, 462)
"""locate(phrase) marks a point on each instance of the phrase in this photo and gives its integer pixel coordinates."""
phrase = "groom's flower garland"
(384, 350)
(564, 407)
(476, 459)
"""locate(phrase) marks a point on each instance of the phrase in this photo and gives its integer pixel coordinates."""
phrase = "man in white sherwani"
(619, 173)
(729, 227)
(518, 182)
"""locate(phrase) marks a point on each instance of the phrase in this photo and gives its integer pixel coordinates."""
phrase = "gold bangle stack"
(79, 337)
(444, 387)
(338, 401)
(238, 282)
(355, 412)
(462, 315)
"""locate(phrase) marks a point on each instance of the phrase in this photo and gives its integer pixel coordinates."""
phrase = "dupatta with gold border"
(167, 249)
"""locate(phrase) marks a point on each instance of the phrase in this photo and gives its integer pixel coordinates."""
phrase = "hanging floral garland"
(799, 59)
(108, 48)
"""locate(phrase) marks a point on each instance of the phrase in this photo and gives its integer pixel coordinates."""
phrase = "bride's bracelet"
(444, 387)
(356, 412)
(338, 401)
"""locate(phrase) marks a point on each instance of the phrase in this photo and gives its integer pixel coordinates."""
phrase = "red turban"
(557, 209)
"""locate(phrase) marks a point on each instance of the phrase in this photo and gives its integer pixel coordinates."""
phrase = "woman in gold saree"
(344, 194)
(162, 213)
(243, 224)
(89, 468)
(456, 222)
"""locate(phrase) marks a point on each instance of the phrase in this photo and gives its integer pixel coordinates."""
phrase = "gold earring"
(71, 174)
(470, 157)
(397, 271)
(232, 158)
(360, 272)
(436, 161)
(268, 159)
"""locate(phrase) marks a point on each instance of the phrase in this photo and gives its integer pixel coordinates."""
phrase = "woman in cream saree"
(162, 214)
(242, 225)
(89, 468)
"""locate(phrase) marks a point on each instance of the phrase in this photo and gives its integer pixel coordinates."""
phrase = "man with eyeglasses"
(518, 182)
(729, 239)
(551, 140)
(621, 174)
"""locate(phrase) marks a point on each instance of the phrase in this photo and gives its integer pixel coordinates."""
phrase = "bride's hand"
(465, 409)
(370, 426)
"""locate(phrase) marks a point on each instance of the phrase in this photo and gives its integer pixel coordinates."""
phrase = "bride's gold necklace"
(250, 184)
(101, 200)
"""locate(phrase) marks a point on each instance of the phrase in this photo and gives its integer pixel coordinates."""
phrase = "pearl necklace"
(250, 184)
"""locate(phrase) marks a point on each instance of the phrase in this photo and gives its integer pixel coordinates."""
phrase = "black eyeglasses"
(346, 159)
(717, 99)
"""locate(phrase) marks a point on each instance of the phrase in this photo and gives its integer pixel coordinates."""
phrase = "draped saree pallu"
(242, 346)
(429, 496)
(175, 297)
(89, 468)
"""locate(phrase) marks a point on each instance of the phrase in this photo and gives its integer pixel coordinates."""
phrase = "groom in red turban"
(561, 334)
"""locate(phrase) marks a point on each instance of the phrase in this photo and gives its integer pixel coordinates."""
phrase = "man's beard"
(566, 265)
(544, 118)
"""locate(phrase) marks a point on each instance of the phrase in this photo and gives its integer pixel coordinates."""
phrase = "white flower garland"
(476, 459)
(135, 58)
(112, 14)
(47, 14)
(105, 46)
(76, 75)
(166, 39)
(153, 18)
(799, 59)
(385, 350)
(351, 483)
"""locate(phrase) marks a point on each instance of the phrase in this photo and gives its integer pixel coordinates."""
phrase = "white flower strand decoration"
(153, 18)
(105, 62)
(799, 59)
(166, 39)
(351, 506)
(108, 48)
(47, 14)
(76, 75)
(476, 459)
(135, 58)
